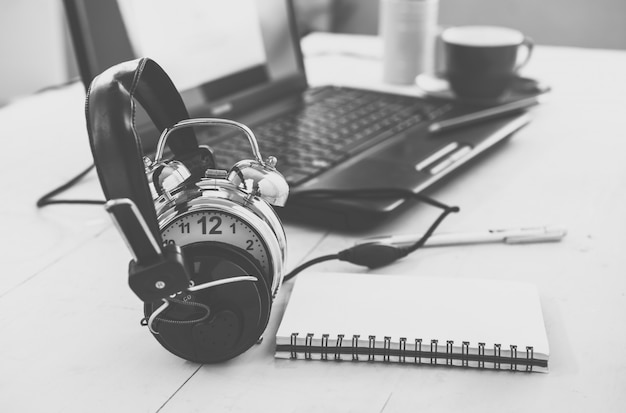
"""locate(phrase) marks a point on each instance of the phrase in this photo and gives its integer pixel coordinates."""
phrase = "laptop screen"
(202, 35)
(223, 56)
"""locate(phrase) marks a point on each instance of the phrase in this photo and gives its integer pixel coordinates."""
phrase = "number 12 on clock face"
(219, 227)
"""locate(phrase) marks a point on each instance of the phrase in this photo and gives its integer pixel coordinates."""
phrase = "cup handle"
(440, 58)
(528, 44)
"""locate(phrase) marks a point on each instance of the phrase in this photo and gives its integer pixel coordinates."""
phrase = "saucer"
(437, 86)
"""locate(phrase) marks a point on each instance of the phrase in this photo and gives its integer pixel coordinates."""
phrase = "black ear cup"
(238, 312)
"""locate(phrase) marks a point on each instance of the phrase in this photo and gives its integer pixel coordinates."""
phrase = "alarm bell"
(260, 179)
(163, 177)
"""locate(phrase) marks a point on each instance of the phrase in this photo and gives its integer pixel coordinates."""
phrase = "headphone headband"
(115, 145)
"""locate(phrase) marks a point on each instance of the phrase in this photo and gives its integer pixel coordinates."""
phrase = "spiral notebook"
(411, 319)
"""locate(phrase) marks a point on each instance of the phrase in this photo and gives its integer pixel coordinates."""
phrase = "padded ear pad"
(110, 113)
(239, 312)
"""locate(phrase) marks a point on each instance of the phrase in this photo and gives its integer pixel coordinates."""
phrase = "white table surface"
(70, 339)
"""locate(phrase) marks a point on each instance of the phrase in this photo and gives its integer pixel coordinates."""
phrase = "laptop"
(241, 60)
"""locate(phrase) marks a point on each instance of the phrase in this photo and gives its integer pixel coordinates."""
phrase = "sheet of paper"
(457, 309)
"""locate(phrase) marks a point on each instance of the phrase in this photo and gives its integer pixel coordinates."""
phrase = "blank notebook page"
(456, 321)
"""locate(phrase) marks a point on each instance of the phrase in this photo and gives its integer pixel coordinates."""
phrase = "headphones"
(208, 249)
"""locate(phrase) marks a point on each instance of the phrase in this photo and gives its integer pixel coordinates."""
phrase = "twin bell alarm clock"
(208, 250)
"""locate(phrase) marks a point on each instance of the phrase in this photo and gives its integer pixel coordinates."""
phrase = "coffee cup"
(482, 61)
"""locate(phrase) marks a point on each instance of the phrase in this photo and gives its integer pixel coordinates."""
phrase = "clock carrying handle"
(110, 111)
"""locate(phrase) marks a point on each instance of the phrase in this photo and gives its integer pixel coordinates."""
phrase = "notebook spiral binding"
(417, 352)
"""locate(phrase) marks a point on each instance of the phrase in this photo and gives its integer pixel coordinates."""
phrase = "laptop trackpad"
(376, 171)
(372, 172)
(393, 166)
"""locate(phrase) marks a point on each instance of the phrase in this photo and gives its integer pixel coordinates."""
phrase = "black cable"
(68, 82)
(47, 198)
(420, 242)
(309, 263)
(374, 254)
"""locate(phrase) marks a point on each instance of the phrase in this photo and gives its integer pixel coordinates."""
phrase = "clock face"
(218, 227)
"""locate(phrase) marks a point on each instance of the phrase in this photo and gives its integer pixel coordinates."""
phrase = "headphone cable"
(371, 255)
(47, 198)
(374, 254)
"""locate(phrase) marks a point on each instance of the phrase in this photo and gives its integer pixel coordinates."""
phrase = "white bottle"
(409, 30)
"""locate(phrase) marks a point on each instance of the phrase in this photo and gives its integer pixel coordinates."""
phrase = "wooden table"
(70, 338)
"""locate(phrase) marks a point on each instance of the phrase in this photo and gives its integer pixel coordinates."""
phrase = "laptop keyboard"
(333, 124)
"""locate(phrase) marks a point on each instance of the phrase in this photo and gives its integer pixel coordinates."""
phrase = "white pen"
(507, 236)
